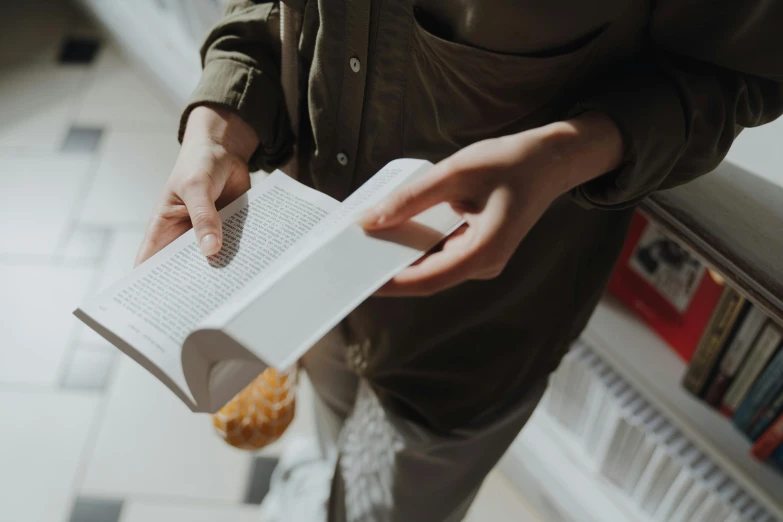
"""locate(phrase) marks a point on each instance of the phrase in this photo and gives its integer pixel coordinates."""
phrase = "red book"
(769, 441)
(666, 286)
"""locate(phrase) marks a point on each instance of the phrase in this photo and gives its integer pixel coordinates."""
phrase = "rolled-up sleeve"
(241, 62)
(708, 72)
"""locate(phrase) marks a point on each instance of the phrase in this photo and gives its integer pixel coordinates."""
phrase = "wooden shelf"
(638, 354)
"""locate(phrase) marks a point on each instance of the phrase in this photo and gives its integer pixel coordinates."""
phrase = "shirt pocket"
(456, 94)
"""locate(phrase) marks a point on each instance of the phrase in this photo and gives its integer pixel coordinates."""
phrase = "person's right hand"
(211, 171)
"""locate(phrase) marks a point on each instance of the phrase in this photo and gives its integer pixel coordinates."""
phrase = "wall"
(760, 151)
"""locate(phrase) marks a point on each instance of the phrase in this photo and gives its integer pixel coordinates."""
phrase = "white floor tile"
(37, 325)
(86, 244)
(161, 448)
(132, 171)
(42, 441)
(500, 501)
(147, 511)
(88, 370)
(123, 246)
(36, 200)
(39, 101)
(120, 94)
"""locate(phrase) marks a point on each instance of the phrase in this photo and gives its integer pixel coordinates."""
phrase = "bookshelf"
(732, 219)
(548, 465)
(655, 370)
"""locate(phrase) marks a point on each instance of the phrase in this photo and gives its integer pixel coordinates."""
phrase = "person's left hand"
(501, 186)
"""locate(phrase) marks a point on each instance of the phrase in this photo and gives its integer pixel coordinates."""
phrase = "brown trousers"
(390, 469)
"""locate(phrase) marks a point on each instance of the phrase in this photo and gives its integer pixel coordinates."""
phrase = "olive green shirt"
(384, 79)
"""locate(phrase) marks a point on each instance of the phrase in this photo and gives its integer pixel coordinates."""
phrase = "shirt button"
(355, 64)
(342, 159)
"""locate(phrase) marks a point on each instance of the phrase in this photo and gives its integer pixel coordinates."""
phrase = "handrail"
(733, 220)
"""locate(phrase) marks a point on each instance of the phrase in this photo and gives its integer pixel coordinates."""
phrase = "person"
(548, 123)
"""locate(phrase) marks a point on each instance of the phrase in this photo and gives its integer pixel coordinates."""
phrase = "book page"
(383, 183)
(155, 308)
(290, 312)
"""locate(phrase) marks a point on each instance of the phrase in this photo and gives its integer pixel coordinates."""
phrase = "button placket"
(349, 114)
(342, 159)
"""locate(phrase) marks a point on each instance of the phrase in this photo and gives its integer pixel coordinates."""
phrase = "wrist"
(224, 128)
(582, 148)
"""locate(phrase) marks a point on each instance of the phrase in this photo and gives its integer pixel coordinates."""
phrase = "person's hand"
(502, 187)
(210, 172)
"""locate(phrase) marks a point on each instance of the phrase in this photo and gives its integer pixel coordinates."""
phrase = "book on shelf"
(668, 287)
(761, 395)
(293, 264)
(713, 342)
(661, 471)
(698, 476)
(685, 467)
(748, 328)
(767, 416)
(760, 354)
(769, 441)
(777, 458)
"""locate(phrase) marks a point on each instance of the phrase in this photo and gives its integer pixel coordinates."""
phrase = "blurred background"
(90, 95)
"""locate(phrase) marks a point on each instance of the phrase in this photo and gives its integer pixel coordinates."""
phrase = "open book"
(294, 263)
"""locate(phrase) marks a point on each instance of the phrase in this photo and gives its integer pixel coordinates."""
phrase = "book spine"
(762, 351)
(767, 416)
(777, 458)
(708, 352)
(761, 394)
(769, 440)
(750, 326)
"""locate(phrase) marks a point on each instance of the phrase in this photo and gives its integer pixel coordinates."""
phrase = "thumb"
(205, 219)
(408, 201)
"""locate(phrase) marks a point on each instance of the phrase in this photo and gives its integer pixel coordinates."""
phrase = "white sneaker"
(300, 484)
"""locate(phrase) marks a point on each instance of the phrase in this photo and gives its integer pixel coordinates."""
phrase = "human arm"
(705, 75)
(235, 122)
(502, 186)
(210, 172)
(707, 72)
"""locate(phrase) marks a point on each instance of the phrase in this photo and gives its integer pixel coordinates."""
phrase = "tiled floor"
(86, 435)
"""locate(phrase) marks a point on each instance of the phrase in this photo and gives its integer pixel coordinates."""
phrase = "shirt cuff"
(648, 111)
(254, 97)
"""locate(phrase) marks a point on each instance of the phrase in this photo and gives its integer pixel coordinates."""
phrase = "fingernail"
(371, 219)
(209, 245)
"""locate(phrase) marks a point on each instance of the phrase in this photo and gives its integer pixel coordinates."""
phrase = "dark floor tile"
(258, 484)
(79, 51)
(83, 140)
(88, 370)
(96, 510)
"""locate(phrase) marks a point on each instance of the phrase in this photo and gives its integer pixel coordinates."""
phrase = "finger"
(410, 200)
(456, 263)
(439, 247)
(235, 187)
(204, 217)
(160, 232)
